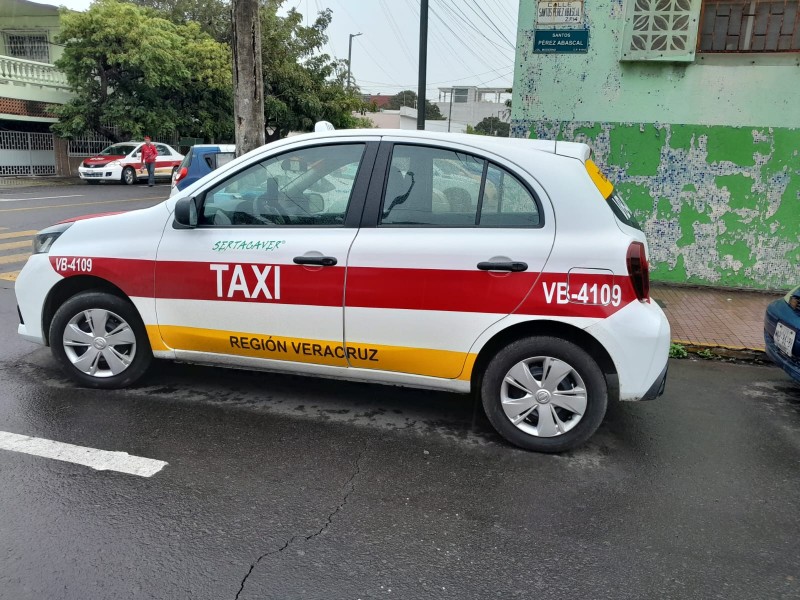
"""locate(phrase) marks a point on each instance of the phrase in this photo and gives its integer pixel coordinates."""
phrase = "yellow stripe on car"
(419, 361)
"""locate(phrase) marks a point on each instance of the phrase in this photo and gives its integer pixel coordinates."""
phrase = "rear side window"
(506, 202)
(621, 210)
(435, 187)
(215, 160)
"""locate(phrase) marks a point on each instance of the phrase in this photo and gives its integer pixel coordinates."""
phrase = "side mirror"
(185, 213)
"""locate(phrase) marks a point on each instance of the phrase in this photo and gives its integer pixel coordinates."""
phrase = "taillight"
(639, 271)
(181, 174)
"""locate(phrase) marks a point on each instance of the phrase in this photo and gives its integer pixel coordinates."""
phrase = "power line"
(396, 30)
(457, 13)
(488, 21)
(459, 38)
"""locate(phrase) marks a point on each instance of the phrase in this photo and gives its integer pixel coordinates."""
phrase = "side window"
(506, 202)
(307, 187)
(442, 188)
(432, 187)
(163, 150)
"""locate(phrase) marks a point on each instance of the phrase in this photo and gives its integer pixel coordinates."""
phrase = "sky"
(470, 42)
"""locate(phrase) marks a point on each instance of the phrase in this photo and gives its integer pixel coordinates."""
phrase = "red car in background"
(123, 162)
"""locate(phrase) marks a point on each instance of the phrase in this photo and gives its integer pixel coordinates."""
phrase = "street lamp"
(349, 55)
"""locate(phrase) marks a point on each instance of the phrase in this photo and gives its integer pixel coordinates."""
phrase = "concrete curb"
(18, 182)
(751, 355)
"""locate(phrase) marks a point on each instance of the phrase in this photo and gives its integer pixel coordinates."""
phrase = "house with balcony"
(29, 85)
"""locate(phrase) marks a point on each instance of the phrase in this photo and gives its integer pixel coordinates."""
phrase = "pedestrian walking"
(149, 154)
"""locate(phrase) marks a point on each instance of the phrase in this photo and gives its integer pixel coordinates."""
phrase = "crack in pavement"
(350, 483)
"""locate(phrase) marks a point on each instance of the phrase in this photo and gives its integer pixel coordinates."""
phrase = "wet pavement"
(286, 487)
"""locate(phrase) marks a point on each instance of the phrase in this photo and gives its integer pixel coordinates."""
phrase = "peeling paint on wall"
(720, 205)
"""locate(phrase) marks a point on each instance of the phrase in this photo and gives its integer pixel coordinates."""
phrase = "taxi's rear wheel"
(544, 394)
(100, 340)
(128, 175)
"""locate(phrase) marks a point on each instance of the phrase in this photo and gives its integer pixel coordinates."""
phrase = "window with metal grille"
(30, 46)
(749, 26)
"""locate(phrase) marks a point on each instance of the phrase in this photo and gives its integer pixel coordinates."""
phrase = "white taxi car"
(123, 162)
(505, 267)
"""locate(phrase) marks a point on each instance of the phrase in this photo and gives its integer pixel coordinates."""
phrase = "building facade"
(29, 85)
(693, 108)
(471, 105)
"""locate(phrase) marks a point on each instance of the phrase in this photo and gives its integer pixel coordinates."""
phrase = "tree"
(135, 73)
(409, 98)
(302, 84)
(248, 101)
(492, 126)
(213, 16)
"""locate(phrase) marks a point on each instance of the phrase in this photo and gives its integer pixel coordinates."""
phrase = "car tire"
(129, 175)
(100, 340)
(544, 394)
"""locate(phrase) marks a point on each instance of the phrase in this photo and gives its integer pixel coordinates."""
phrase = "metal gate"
(23, 153)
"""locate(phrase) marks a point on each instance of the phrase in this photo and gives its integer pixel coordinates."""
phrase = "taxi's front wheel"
(100, 340)
(544, 394)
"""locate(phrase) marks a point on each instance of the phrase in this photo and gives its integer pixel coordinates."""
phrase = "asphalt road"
(287, 487)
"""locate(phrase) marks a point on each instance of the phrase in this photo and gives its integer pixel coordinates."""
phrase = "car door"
(261, 278)
(452, 241)
(165, 161)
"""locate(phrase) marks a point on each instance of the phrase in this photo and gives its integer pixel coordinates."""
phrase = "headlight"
(793, 298)
(43, 241)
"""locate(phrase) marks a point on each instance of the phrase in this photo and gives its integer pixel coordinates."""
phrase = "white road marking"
(40, 198)
(100, 460)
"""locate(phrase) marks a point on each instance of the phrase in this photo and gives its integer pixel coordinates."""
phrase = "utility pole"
(423, 62)
(248, 76)
(349, 55)
(450, 113)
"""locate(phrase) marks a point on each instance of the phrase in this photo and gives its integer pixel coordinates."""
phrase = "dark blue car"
(199, 161)
(781, 324)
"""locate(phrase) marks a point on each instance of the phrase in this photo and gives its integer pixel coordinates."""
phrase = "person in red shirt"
(149, 154)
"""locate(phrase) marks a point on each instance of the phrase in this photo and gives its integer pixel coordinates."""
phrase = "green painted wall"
(706, 153)
(720, 205)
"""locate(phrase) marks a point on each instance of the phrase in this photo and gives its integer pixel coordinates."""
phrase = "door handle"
(320, 261)
(514, 267)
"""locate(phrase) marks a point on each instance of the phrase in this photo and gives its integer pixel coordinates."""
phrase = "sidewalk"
(714, 318)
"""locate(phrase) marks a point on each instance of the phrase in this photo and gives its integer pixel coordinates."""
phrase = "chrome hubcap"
(99, 343)
(543, 396)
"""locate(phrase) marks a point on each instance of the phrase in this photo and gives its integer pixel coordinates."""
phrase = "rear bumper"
(657, 389)
(637, 338)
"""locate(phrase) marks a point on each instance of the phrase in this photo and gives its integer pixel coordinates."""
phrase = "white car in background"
(508, 268)
(123, 162)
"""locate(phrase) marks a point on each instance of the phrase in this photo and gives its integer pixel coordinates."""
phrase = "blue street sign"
(550, 41)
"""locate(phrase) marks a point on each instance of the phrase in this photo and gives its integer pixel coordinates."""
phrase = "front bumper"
(779, 310)
(107, 173)
(33, 285)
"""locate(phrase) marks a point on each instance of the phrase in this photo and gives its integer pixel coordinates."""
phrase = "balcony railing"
(28, 71)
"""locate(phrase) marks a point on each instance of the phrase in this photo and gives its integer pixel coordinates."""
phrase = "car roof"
(220, 147)
(498, 145)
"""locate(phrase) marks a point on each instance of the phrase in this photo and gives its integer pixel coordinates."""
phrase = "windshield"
(118, 150)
